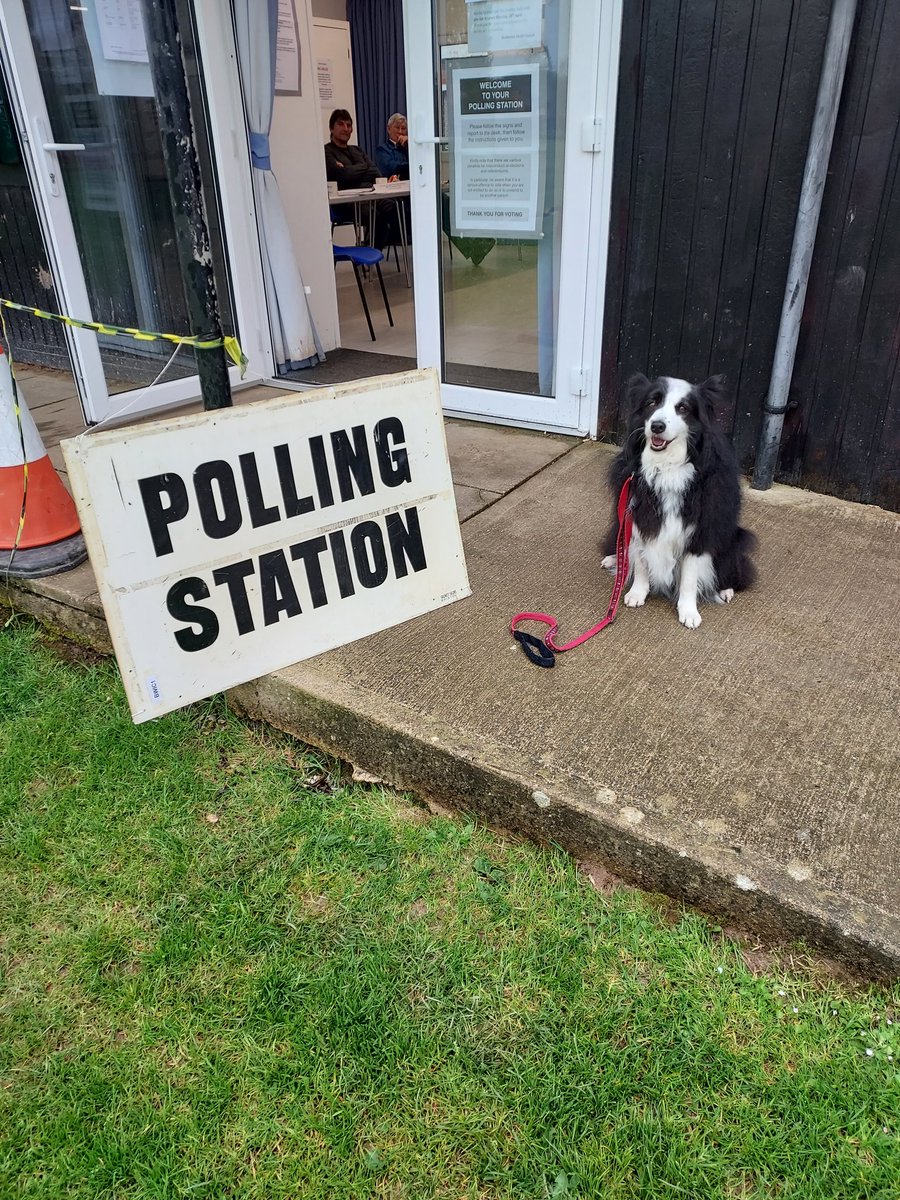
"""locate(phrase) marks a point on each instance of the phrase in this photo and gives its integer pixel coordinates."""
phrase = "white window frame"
(228, 134)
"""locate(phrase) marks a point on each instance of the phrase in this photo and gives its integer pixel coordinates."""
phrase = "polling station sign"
(229, 544)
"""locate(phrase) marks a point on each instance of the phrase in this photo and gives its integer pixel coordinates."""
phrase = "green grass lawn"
(228, 973)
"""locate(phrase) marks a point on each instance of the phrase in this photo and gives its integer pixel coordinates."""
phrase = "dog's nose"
(657, 427)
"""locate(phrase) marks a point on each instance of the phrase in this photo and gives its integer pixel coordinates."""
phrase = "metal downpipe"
(831, 82)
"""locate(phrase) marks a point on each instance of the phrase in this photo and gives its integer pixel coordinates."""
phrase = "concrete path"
(750, 767)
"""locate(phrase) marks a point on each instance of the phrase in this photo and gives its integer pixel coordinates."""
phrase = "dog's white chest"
(663, 553)
(669, 480)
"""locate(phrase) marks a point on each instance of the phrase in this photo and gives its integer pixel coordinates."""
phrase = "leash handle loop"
(536, 651)
(541, 653)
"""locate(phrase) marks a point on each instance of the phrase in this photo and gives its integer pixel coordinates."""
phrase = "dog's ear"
(712, 393)
(636, 391)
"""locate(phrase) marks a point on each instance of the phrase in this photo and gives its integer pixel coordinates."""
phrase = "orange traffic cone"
(38, 522)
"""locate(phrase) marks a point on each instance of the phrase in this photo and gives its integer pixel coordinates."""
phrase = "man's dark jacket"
(356, 169)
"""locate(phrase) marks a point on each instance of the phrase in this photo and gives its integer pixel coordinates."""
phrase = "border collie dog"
(686, 542)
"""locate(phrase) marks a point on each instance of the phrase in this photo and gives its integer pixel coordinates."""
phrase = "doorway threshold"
(344, 366)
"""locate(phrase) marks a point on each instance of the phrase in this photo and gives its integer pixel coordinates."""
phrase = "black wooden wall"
(714, 110)
(842, 432)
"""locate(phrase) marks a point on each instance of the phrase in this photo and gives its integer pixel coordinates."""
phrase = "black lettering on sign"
(405, 541)
(310, 551)
(352, 461)
(294, 505)
(276, 587)
(217, 524)
(341, 563)
(369, 557)
(177, 603)
(233, 576)
(393, 465)
(159, 515)
(259, 513)
(320, 470)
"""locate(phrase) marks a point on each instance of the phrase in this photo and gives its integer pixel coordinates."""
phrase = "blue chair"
(364, 256)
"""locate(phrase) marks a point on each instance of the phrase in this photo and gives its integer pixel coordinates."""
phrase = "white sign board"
(495, 145)
(504, 25)
(228, 544)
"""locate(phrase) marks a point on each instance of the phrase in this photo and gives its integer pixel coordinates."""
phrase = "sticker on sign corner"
(154, 691)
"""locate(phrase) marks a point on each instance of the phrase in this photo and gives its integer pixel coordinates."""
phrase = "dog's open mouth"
(657, 443)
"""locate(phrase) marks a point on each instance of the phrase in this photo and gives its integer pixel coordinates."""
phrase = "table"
(398, 192)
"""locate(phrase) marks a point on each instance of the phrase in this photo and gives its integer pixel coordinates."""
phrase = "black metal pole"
(183, 171)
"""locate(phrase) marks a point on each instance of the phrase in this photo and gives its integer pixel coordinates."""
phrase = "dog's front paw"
(689, 617)
(635, 597)
(608, 563)
(725, 596)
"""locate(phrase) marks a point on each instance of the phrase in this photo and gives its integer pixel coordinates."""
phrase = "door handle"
(51, 149)
(427, 139)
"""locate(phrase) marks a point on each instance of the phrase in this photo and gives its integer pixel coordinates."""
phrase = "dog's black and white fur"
(685, 498)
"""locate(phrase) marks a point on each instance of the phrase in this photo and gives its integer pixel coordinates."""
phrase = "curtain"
(293, 331)
(379, 71)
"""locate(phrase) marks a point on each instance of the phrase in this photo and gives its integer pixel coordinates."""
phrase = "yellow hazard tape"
(229, 344)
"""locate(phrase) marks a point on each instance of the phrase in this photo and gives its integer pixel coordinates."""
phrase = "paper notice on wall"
(504, 25)
(496, 151)
(325, 76)
(287, 51)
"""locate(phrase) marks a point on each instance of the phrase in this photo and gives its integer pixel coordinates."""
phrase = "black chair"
(364, 256)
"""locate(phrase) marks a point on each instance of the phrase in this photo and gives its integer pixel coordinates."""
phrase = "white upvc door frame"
(228, 132)
(590, 129)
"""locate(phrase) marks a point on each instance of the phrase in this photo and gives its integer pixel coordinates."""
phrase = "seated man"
(392, 156)
(351, 167)
(346, 165)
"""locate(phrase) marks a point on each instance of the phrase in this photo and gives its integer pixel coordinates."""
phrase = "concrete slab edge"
(415, 754)
(59, 616)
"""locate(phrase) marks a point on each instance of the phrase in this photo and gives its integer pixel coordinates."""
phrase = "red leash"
(542, 653)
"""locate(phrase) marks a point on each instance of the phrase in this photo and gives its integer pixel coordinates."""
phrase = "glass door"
(511, 164)
(81, 79)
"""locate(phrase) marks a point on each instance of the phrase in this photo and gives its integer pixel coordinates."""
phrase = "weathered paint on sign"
(228, 544)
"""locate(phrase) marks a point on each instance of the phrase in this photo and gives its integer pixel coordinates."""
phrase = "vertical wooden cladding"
(842, 433)
(715, 105)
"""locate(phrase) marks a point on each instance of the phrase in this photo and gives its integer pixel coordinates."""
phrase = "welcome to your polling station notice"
(497, 150)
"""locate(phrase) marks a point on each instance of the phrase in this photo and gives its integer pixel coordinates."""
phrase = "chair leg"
(362, 296)
(384, 294)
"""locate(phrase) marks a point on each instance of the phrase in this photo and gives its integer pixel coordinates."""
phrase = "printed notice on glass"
(287, 51)
(503, 25)
(114, 30)
(496, 151)
(122, 30)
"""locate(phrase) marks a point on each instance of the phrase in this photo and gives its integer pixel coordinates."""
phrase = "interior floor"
(489, 322)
